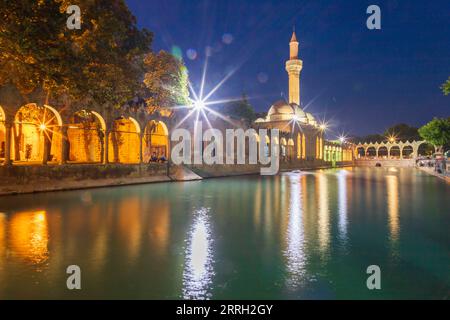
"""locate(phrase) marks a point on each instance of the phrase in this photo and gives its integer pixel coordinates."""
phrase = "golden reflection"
(198, 269)
(257, 207)
(28, 234)
(159, 226)
(323, 221)
(130, 225)
(295, 237)
(393, 206)
(342, 203)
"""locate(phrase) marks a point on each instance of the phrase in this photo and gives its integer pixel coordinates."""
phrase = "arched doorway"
(371, 152)
(383, 153)
(156, 142)
(2, 134)
(124, 141)
(85, 137)
(283, 149)
(407, 152)
(37, 134)
(299, 146)
(290, 149)
(394, 153)
(425, 150)
(361, 153)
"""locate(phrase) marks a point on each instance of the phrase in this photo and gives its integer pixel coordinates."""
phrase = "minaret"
(294, 66)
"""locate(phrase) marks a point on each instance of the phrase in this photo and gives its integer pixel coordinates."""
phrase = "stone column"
(141, 142)
(105, 151)
(64, 145)
(8, 128)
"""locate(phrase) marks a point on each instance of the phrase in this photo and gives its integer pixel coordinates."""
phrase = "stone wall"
(37, 178)
(386, 163)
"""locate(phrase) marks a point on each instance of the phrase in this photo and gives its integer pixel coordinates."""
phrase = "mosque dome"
(311, 119)
(281, 110)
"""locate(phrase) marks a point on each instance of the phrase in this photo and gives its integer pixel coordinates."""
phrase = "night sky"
(362, 80)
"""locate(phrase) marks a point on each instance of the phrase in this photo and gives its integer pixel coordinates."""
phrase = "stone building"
(301, 138)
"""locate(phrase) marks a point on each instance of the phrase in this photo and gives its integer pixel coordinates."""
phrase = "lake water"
(305, 235)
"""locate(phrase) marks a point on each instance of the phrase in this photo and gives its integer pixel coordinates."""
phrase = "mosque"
(301, 137)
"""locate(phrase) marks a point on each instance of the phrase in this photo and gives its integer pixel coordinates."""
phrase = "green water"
(294, 236)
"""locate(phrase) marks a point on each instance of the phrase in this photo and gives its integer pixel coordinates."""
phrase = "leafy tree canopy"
(241, 109)
(100, 64)
(403, 132)
(446, 87)
(166, 80)
(437, 132)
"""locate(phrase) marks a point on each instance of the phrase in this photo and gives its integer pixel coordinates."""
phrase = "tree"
(437, 132)
(446, 87)
(241, 109)
(166, 80)
(403, 132)
(100, 65)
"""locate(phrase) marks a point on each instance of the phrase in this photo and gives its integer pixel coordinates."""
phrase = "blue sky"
(364, 81)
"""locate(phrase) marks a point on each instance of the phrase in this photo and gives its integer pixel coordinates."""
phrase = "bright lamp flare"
(323, 127)
(342, 139)
(199, 105)
(43, 127)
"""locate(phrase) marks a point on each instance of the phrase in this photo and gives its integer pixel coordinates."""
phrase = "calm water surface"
(293, 236)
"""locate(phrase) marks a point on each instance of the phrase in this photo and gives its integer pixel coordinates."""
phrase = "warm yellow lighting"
(43, 127)
(323, 127)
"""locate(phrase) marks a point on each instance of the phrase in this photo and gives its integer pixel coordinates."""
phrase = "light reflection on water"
(323, 223)
(342, 204)
(296, 235)
(198, 270)
(295, 251)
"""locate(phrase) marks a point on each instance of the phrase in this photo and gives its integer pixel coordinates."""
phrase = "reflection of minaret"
(294, 66)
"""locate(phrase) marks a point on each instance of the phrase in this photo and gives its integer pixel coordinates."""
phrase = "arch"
(37, 134)
(291, 142)
(361, 152)
(425, 149)
(56, 114)
(394, 152)
(2, 115)
(303, 146)
(299, 146)
(407, 152)
(155, 142)
(283, 141)
(383, 152)
(371, 152)
(290, 148)
(85, 137)
(124, 141)
(100, 119)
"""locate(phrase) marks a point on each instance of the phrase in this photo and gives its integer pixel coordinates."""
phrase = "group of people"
(158, 159)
